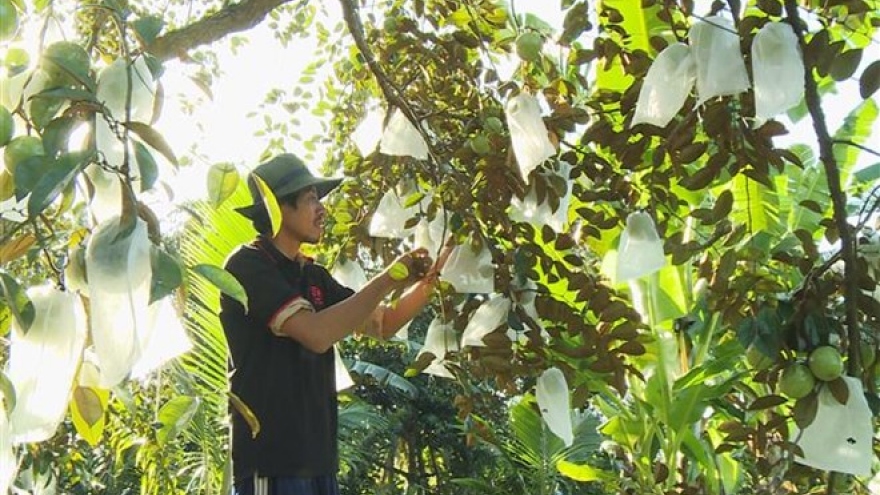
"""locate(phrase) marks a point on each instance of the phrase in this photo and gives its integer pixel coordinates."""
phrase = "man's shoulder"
(247, 255)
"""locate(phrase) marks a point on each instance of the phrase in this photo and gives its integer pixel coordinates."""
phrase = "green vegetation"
(688, 380)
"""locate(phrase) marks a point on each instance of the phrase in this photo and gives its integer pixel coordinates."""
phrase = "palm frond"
(208, 239)
(384, 376)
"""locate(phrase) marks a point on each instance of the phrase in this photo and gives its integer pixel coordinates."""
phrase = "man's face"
(304, 220)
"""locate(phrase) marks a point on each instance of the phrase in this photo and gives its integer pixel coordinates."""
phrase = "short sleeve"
(268, 292)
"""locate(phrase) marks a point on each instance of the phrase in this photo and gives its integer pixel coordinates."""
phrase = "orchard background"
(567, 373)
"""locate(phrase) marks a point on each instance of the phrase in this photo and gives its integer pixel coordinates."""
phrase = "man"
(281, 345)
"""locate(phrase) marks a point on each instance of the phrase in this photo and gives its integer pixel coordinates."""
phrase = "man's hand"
(434, 273)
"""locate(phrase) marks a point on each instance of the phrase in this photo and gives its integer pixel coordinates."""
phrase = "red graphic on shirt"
(316, 296)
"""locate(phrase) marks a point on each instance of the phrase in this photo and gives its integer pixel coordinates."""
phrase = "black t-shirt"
(290, 389)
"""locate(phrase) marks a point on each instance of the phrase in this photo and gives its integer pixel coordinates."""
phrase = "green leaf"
(174, 416)
(7, 389)
(413, 199)
(43, 110)
(60, 174)
(224, 281)
(583, 472)
(77, 71)
(766, 402)
(65, 93)
(246, 412)
(805, 409)
(56, 134)
(577, 21)
(845, 64)
(870, 80)
(271, 204)
(147, 168)
(17, 301)
(642, 23)
(755, 205)
(148, 27)
(87, 408)
(154, 139)
(700, 450)
(857, 128)
(868, 175)
(167, 274)
(223, 179)
(731, 472)
(28, 174)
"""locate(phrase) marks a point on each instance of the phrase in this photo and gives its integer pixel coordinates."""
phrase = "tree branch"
(392, 93)
(838, 199)
(857, 145)
(233, 18)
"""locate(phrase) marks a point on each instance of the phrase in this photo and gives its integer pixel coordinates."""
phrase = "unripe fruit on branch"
(826, 363)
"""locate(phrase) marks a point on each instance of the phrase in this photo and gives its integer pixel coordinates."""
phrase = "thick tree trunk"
(233, 18)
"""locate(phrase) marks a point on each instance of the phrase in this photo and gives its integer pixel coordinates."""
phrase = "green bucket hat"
(285, 174)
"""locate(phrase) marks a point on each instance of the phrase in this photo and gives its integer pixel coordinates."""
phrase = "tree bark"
(233, 18)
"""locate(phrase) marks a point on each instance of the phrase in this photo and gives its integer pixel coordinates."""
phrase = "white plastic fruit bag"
(108, 144)
(489, 316)
(840, 437)
(367, 134)
(343, 377)
(119, 274)
(525, 298)
(112, 90)
(106, 202)
(166, 339)
(439, 340)
(640, 252)
(401, 138)
(667, 85)
(528, 209)
(469, 271)
(402, 333)
(551, 391)
(778, 70)
(43, 363)
(720, 66)
(429, 233)
(528, 134)
(350, 274)
(113, 84)
(389, 219)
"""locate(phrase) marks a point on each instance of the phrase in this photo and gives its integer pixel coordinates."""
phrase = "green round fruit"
(7, 126)
(796, 381)
(8, 19)
(757, 359)
(528, 46)
(63, 58)
(493, 125)
(20, 149)
(398, 271)
(390, 24)
(480, 144)
(826, 363)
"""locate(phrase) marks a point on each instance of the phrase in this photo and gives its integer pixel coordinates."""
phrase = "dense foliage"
(680, 381)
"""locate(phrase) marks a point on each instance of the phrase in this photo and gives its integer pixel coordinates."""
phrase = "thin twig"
(856, 145)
